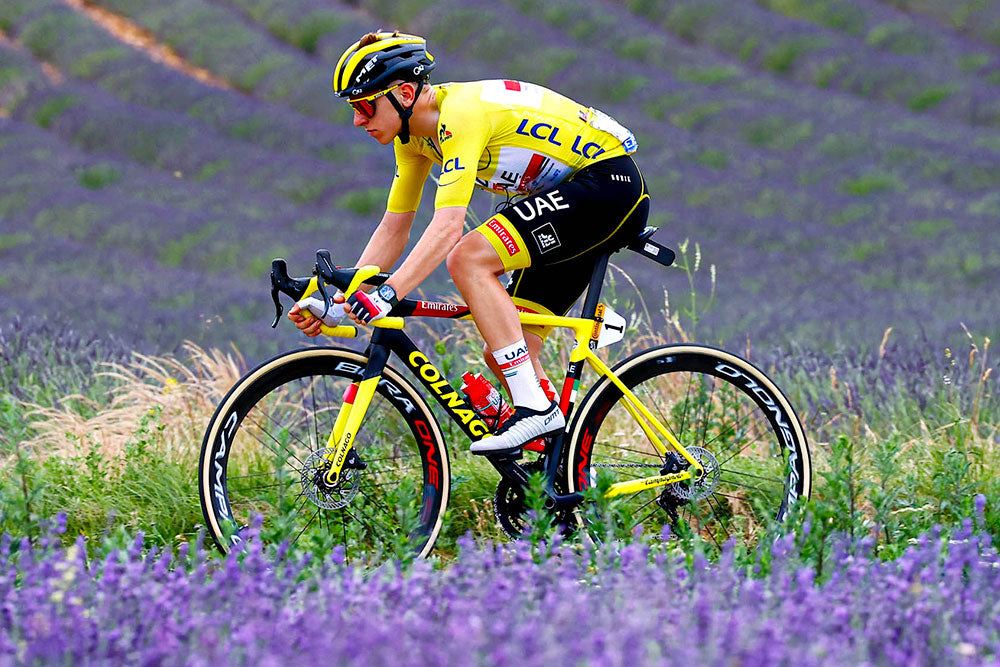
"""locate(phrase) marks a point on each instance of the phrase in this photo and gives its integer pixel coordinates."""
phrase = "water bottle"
(486, 400)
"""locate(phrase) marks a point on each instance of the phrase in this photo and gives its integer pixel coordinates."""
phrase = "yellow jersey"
(511, 137)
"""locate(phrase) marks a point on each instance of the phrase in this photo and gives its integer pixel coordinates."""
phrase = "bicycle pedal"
(537, 445)
(506, 457)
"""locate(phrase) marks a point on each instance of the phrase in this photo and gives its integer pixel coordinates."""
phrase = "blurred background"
(834, 164)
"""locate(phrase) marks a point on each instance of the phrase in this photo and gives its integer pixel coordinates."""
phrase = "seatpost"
(594, 290)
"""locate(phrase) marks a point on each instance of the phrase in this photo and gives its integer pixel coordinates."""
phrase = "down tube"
(452, 400)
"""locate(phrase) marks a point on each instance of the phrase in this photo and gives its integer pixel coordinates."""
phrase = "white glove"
(315, 306)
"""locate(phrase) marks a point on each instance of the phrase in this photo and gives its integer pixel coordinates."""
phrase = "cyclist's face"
(378, 116)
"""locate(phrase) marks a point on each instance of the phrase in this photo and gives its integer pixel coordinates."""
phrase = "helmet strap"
(404, 114)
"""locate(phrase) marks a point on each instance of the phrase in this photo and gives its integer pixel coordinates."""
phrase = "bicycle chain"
(626, 465)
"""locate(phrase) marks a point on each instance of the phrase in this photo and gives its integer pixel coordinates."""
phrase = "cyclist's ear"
(407, 92)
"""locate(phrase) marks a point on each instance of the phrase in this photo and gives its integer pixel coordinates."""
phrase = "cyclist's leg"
(552, 241)
(534, 342)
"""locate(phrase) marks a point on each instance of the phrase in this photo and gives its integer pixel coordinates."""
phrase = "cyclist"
(573, 192)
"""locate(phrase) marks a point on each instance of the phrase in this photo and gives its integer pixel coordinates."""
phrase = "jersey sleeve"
(463, 133)
(412, 169)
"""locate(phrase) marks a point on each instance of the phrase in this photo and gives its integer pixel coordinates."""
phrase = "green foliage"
(45, 34)
(624, 88)
(707, 75)
(303, 190)
(688, 19)
(872, 182)
(929, 97)
(929, 229)
(8, 241)
(141, 492)
(862, 251)
(367, 201)
(210, 169)
(850, 214)
(460, 25)
(253, 75)
(658, 107)
(777, 132)
(842, 16)
(74, 222)
(318, 23)
(690, 119)
(827, 70)
(897, 37)
(711, 157)
(639, 48)
(98, 176)
(174, 252)
(781, 57)
(88, 66)
(8, 74)
(50, 110)
(974, 62)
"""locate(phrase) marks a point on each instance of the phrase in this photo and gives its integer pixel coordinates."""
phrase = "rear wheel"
(729, 416)
(264, 454)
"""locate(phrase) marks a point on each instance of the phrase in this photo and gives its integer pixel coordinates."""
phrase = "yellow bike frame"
(586, 331)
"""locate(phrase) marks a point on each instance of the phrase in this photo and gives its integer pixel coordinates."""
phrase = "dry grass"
(185, 392)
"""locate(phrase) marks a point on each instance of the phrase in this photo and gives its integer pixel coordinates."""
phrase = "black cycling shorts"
(552, 240)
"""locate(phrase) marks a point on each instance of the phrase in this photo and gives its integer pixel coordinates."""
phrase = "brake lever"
(282, 282)
(324, 265)
(278, 267)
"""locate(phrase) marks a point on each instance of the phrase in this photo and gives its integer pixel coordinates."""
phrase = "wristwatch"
(388, 295)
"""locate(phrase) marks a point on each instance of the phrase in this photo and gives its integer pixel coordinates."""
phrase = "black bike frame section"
(393, 341)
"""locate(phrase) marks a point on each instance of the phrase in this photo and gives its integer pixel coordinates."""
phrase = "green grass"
(98, 176)
(74, 222)
(690, 119)
(174, 252)
(52, 108)
(8, 241)
(929, 97)
(777, 132)
(210, 169)
(897, 37)
(707, 75)
(363, 202)
(871, 183)
(930, 229)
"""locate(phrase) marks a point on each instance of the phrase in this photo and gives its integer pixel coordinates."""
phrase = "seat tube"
(594, 289)
(575, 368)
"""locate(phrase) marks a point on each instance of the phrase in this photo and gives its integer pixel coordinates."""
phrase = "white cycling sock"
(515, 364)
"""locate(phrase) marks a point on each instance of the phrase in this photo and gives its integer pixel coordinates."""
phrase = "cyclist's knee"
(472, 252)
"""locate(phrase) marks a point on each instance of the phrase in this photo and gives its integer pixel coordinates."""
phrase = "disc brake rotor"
(318, 491)
(699, 487)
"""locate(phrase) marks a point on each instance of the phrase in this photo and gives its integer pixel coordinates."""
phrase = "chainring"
(509, 504)
(321, 494)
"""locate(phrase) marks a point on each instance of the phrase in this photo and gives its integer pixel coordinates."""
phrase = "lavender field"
(832, 165)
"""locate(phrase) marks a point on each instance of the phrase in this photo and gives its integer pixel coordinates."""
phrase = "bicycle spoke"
(277, 442)
(305, 527)
(720, 523)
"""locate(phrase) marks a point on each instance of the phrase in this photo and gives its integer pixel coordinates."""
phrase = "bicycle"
(333, 446)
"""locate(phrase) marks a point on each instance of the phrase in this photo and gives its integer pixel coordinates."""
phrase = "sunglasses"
(366, 105)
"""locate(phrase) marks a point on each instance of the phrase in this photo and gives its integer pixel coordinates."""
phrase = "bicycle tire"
(740, 422)
(268, 433)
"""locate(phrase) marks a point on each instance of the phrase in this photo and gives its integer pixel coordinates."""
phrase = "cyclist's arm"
(441, 235)
(393, 233)
(388, 241)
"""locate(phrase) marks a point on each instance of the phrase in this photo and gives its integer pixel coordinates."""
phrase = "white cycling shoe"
(523, 427)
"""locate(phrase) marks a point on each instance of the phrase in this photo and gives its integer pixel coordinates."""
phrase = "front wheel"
(264, 454)
(729, 416)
